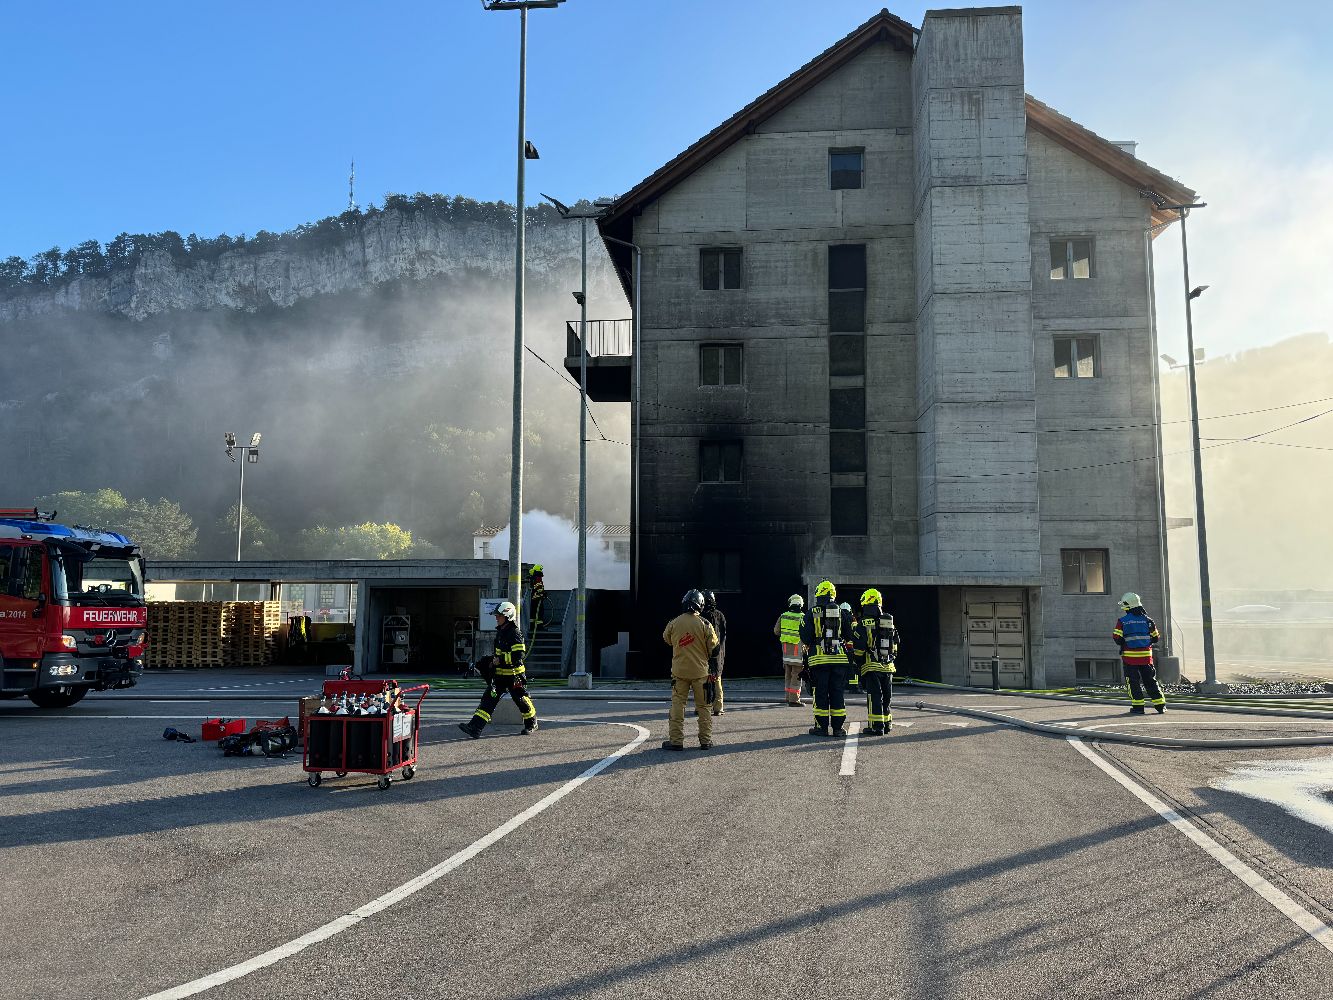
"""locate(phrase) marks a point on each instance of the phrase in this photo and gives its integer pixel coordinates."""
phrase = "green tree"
(104, 508)
(258, 540)
(13, 272)
(358, 541)
(162, 529)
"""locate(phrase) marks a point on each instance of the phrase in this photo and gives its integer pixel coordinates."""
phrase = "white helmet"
(506, 610)
(796, 601)
(1131, 601)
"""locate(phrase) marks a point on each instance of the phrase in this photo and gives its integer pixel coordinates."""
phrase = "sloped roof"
(881, 28)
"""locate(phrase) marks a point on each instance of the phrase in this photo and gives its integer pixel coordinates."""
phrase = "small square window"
(720, 364)
(1071, 258)
(1100, 671)
(847, 451)
(1075, 357)
(720, 570)
(847, 409)
(847, 354)
(719, 268)
(847, 265)
(1083, 571)
(847, 510)
(719, 461)
(846, 168)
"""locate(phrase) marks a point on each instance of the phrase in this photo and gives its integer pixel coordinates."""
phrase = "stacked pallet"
(184, 634)
(250, 630)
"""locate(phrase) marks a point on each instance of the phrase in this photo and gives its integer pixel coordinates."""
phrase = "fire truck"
(72, 611)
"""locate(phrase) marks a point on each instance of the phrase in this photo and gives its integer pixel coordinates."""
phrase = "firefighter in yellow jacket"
(537, 596)
(692, 641)
(508, 675)
(875, 647)
(824, 635)
(788, 630)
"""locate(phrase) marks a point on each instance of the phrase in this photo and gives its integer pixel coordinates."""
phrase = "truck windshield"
(103, 577)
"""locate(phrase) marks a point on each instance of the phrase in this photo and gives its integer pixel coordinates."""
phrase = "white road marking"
(1285, 905)
(958, 725)
(426, 878)
(183, 701)
(849, 755)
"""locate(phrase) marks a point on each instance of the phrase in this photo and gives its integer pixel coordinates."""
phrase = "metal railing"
(607, 338)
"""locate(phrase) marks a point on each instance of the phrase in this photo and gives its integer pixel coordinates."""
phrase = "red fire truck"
(72, 611)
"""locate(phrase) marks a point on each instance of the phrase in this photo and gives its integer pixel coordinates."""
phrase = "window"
(720, 364)
(720, 570)
(6, 555)
(720, 267)
(846, 168)
(847, 451)
(847, 288)
(847, 409)
(28, 573)
(1083, 571)
(1097, 671)
(719, 461)
(1075, 357)
(848, 510)
(846, 354)
(1071, 259)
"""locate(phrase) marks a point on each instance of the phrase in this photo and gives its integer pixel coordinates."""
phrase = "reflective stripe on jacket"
(822, 633)
(1136, 634)
(510, 651)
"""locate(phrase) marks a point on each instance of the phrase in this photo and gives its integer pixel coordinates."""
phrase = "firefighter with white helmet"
(788, 630)
(823, 634)
(1136, 634)
(506, 674)
(875, 647)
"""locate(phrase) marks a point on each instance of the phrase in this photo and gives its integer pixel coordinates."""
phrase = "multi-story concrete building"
(897, 330)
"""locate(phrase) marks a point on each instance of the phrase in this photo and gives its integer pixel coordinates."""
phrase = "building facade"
(896, 330)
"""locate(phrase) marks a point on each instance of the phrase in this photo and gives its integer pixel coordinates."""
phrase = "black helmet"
(710, 599)
(692, 601)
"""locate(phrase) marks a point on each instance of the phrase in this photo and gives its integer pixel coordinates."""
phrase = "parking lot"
(960, 856)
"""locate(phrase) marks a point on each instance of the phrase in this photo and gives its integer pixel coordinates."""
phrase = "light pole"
(249, 454)
(526, 151)
(580, 677)
(634, 402)
(1210, 684)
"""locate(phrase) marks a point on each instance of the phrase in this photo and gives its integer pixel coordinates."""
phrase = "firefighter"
(875, 644)
(1136, 635)
(788, 630)
(536, 596)
(692, 640)
(507, 675)
(823, 634)
(714, 616)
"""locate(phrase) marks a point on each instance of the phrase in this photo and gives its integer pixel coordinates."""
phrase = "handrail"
(607, 338)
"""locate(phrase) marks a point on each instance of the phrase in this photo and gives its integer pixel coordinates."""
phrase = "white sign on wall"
(486, 617)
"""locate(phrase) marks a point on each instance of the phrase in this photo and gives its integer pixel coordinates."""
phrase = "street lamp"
(1210, 684)
(526, 151)
(249, 455)
(580, 678)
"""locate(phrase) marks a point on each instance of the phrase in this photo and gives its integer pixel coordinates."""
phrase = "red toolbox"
(215, 729)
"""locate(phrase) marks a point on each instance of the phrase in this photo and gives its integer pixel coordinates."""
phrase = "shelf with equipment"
(395, 641)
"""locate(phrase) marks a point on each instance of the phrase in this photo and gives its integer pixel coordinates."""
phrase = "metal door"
(996, 630)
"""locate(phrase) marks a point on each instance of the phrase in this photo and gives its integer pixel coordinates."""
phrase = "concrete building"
(896, 329)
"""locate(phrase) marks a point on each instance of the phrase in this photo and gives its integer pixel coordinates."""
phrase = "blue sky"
(231, 117)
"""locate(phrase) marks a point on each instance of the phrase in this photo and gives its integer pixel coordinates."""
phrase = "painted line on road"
(426, 878)
(183, 701)
(849, 755)
(1284, 904)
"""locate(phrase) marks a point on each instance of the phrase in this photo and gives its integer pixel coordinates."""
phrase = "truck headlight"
(69, 642)
(63, 669)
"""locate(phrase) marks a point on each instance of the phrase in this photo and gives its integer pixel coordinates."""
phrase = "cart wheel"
(383, 782)
(340, 774)
(314, 780)
(408, 772)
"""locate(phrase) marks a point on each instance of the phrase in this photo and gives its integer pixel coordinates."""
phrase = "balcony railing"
(607, 338)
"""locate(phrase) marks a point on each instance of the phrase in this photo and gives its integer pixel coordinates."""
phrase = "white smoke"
(553, 541)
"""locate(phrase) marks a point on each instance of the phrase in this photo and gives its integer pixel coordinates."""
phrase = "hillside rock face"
(389, 246)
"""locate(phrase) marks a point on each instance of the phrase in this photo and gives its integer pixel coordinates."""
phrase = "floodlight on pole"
(249, 456)
(525, 151)
(580, 678)
(1210, 684)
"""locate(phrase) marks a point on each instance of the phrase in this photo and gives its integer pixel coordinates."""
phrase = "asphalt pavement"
(963, 855)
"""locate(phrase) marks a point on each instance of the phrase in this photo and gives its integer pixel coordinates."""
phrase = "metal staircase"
(546, 648)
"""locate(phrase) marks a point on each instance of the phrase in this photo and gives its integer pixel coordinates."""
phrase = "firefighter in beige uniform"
(692, 641)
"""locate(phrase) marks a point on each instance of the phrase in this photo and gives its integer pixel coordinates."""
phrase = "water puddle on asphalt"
(1303, 788)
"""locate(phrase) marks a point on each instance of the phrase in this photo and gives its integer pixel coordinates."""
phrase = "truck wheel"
(58, 697)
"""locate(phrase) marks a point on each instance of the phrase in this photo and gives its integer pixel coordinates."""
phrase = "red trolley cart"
(363, 744)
